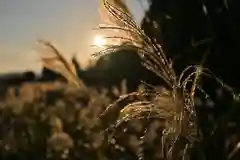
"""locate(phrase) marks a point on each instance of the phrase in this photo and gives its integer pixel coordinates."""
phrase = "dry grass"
(175, 105)
(53, 60)
(166, 113)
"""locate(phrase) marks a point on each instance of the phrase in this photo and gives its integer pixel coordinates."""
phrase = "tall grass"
(174, 105)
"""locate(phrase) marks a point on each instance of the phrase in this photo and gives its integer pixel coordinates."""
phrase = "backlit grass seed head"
(174, 105)
(53, 59)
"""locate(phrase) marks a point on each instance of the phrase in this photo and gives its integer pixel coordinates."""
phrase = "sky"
(66, 23)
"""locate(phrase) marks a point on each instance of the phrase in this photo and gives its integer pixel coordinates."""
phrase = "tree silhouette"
(111, 69)
(203, 32)
(191, 31)
(49, 75)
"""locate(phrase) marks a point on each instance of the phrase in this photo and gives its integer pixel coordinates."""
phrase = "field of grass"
(75, 120)
(54, 120)
(45, 121)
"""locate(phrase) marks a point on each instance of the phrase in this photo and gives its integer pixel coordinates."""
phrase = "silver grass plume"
(52, 59)
(107, 18)
(175, 105)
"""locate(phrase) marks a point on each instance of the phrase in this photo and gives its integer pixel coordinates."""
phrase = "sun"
(99, 41)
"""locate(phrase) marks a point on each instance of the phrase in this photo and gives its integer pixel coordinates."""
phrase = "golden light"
(99, 41)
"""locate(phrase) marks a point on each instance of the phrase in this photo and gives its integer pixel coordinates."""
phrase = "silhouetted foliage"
(198, 32)
(17, 78)
(206, 33)
(29, 76)
(111, 69)
(48, 75)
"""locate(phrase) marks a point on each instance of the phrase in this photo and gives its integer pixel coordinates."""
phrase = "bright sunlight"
(99, 41)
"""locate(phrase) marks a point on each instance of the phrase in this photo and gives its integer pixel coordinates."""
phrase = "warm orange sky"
(67, 23)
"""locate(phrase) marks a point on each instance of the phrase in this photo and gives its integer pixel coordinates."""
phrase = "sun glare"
(99, 41)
